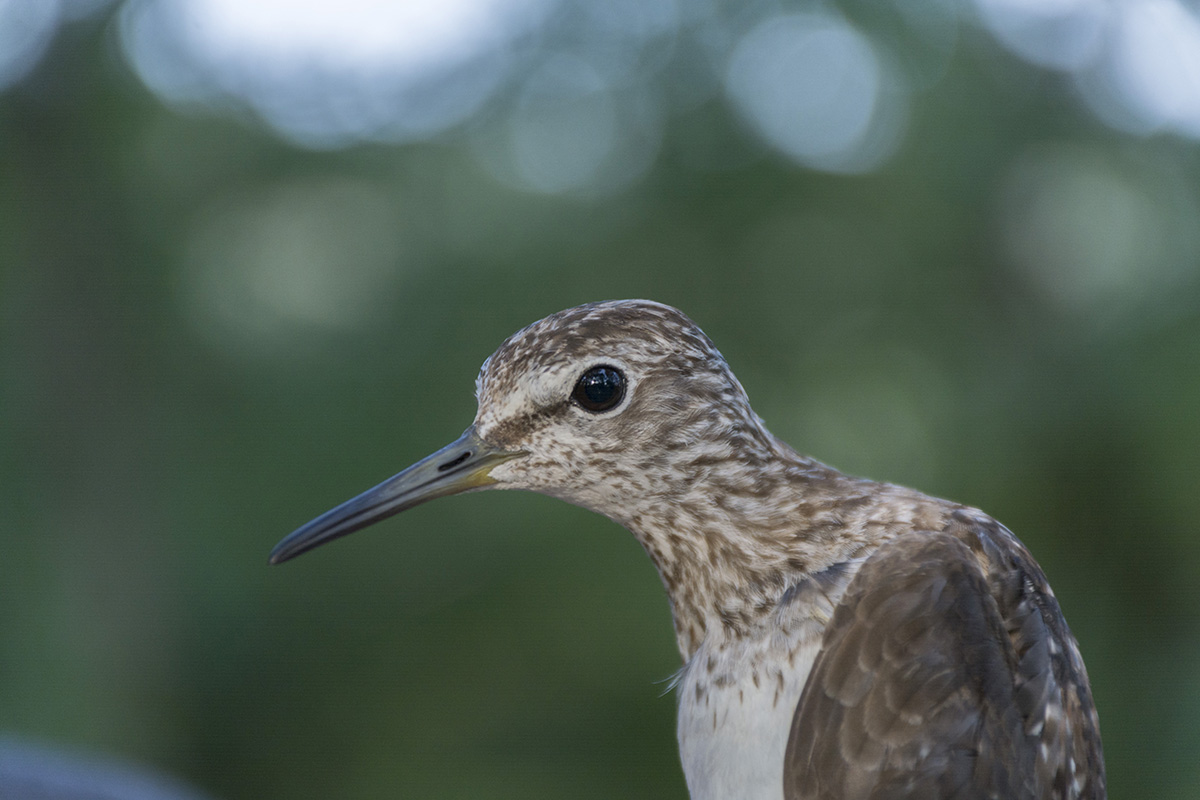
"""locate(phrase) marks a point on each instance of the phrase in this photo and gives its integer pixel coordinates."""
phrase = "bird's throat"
(731, 548)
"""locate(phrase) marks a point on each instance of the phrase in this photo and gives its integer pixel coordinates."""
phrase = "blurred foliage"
(208, 336)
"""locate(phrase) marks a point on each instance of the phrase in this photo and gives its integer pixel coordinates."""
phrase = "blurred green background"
(251, 261)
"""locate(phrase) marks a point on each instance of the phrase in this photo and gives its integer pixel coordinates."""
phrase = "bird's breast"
(738, 693)
(733, 733)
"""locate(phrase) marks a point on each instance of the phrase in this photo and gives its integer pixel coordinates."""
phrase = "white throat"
(732, 738)
(737, 695)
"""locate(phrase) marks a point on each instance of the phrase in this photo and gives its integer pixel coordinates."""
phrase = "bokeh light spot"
(327, 74)
(1093, 236)
(1057, 34)
(1156, 64)
(563, 126)
(310, 257)
(1137, 65)
(26, 28)
(810, 85)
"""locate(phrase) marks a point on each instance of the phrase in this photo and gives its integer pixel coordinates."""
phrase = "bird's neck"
(731, 537)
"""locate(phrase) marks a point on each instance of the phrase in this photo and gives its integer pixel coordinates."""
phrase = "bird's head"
(604, 405)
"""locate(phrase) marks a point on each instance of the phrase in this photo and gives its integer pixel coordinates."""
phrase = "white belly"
(732, 733)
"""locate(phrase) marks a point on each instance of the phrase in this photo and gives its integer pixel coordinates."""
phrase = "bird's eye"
(600, 389)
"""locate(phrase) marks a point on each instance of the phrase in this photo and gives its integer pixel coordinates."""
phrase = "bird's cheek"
(511, 474)
(532, 471)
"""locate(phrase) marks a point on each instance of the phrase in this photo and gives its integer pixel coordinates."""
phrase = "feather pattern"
(914, 643)
(947, 672)
(841, 638)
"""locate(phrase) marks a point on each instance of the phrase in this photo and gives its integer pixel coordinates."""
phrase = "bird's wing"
(947, 671)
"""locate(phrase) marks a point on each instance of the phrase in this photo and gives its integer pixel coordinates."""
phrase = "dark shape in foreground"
(30, 771)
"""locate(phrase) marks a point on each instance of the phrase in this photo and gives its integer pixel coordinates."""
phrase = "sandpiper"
(841, 638)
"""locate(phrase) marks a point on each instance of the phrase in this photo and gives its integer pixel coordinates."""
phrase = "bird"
(840, 638)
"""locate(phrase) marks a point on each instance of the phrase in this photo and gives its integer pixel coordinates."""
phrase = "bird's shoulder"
(947, 670)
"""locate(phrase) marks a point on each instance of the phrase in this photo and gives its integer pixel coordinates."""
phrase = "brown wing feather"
(947, 671)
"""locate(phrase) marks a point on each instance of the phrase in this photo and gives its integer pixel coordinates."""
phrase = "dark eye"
(600, 389)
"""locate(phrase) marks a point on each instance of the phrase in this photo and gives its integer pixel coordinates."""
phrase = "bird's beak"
(461, 466)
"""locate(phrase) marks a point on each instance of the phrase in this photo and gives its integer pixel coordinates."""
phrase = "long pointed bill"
(460, 466)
